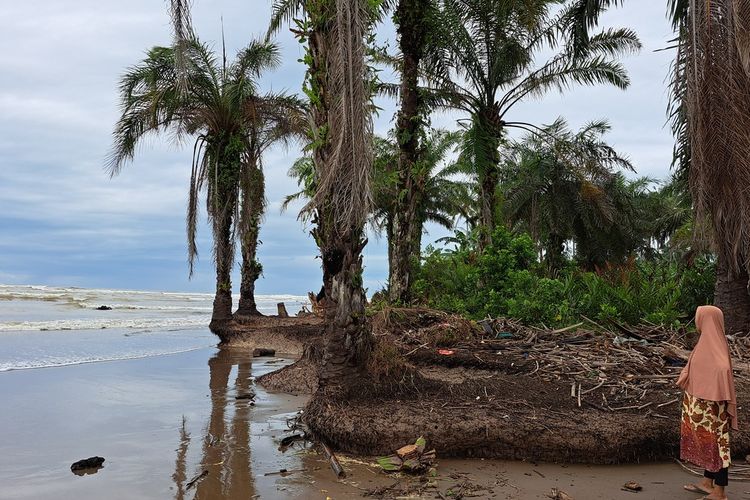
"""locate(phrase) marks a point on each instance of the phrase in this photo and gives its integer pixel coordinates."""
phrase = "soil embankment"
(502, 390)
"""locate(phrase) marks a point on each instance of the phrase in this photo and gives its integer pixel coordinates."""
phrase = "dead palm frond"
(718, 116)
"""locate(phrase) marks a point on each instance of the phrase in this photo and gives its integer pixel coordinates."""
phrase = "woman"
(709, 407)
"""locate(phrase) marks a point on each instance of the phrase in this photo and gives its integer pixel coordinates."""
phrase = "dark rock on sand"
(103, 308)
(87, 463)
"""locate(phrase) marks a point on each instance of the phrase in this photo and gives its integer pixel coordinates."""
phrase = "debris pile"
(616, 368)
(410, 458)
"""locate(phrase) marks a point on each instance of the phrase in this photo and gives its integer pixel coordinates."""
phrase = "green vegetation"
(507, 279)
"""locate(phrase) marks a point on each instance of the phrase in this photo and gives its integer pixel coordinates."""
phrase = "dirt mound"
(286, 335)
(300, 377)
(587, 393)
(503, 390)
(481, 413)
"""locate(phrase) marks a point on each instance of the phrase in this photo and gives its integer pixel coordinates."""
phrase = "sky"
(64, 222)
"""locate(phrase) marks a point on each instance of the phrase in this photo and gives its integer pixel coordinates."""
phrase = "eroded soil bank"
(510, 392)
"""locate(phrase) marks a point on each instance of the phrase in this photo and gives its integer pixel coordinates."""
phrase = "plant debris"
(411, 458)
(613, 369)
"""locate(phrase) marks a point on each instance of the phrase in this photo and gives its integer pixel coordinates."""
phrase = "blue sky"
(64, 222)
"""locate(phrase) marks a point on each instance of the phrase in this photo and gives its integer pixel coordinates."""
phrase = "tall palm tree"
(711, 99)
(186, 90)
(485, 65)
(338, 87)
(413, 19)
(562, 185)
(438, 197)
(285, 120)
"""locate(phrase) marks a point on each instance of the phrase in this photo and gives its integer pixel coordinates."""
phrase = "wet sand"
(161, 421)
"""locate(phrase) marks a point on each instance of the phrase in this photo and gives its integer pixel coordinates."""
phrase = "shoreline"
(131, 413)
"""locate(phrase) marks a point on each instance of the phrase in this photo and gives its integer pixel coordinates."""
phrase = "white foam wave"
(155, 308)
(98, 324)
(51, 363)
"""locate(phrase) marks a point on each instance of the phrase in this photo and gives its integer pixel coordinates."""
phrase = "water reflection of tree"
(180, 467)
(226, 452)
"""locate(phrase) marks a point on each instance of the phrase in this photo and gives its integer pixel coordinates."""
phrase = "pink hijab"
(708, 373)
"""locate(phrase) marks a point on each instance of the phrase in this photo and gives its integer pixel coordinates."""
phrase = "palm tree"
(339, 89)
(484, 66)
(413, 25)
(711, 96)
(188, 91)
(437, 197)
(284, 120)
(562, 185)
(442, 198)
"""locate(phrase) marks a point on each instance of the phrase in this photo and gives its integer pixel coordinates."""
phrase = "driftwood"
(283, 472)
(197, 478)
(335, 464)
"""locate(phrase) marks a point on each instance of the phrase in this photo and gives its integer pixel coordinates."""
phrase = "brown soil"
(285, 335)
(503, 398)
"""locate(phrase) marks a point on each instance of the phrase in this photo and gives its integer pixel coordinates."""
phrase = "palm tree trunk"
(348, 340)
(732, 297)
(554, 251)
(489, 175)
(252, 200)
(488, 199)
(318, 47)
(222, 201)
(251, 270)
(410, 16)
(342, 213)
(222, 310)
(402, 254)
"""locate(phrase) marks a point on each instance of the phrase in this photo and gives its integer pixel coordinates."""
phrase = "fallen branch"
(335, 464)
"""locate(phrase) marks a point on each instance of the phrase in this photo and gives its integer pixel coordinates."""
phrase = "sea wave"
(6, 366)
(139, 307)
(104, 323)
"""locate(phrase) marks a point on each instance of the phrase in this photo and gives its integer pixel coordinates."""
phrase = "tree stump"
(282, 310)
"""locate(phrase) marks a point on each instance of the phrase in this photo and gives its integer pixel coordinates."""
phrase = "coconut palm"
(563, 185)
(485, 65)
(187, 90)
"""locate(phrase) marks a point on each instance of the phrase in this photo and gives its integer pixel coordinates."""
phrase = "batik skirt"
(704, 433)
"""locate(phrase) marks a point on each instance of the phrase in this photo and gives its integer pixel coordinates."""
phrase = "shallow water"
(161, 421)
(42, 326)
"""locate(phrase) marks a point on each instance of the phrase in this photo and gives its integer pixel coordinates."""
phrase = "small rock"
(263, 352)
(87, 463)
(103, 308)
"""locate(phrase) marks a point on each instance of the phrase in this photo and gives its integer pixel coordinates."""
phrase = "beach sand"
(132, 412)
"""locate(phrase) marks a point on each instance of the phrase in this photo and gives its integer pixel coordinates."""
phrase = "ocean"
(44, 326)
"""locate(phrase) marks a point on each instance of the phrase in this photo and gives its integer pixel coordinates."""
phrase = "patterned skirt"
(704, 433)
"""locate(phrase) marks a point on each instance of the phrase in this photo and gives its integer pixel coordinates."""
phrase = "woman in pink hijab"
(709, 407)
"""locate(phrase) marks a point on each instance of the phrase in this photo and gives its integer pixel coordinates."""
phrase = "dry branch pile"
(611, 369)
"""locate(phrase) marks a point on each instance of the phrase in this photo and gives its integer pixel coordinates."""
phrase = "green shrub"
(507, 280)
